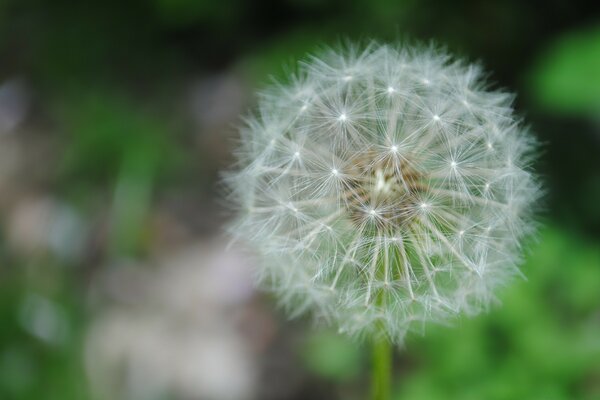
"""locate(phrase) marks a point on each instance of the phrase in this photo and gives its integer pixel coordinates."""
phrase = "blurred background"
(116, 117)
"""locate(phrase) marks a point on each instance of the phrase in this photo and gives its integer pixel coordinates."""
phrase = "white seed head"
(392, 210)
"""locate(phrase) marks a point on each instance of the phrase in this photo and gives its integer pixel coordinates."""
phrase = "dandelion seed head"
(386, 239)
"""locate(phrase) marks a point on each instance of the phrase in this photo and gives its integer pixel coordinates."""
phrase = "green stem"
(382, 369)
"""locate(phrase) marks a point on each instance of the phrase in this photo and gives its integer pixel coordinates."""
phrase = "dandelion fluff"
(384, 187)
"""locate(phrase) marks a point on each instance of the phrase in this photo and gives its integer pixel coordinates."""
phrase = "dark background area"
(115, 120)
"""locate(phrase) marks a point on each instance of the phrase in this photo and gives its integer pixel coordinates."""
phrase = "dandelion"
(383, 188)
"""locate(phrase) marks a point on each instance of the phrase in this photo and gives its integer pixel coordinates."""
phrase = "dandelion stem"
(381, 378)
(382, 369)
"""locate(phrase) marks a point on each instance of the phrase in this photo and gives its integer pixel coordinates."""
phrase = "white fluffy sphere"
(384, 187)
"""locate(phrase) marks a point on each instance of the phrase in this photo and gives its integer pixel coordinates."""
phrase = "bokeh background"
(116, 117)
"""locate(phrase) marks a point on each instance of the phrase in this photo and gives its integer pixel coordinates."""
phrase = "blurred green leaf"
(542, 343)
(108, 133)
(332, 356)
(116, 146)
(566, 77)
(33, 363)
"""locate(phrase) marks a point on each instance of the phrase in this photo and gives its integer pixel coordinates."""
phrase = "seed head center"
(388, 186)
(383, 183)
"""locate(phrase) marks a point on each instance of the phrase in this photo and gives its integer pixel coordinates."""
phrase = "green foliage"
(107, 133)
(566, 76)
(116, 146)
(40, 337)
(332, 356)
(541, 343)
